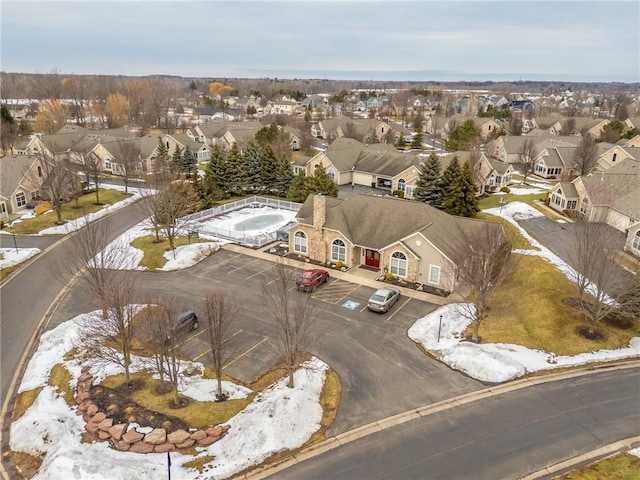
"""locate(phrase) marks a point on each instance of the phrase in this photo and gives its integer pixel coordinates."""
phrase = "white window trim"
(396, 264)
(300, 246)
(636, 241)
(338, 252)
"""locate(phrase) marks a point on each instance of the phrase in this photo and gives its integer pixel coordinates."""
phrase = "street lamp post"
(439, 328)
(15, 243)
(502, 203)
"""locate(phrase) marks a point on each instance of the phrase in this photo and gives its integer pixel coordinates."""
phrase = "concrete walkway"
(354, 275)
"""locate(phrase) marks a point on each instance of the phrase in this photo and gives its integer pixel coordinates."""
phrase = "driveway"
(558, 237)
(382, 371)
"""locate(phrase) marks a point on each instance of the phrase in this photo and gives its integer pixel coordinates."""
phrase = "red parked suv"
(310, 279)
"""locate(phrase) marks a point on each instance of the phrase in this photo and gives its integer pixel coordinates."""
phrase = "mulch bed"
(118, 405)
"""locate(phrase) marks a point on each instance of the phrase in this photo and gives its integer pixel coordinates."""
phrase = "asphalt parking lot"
(382, 372)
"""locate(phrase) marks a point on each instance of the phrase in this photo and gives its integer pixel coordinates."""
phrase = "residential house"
(610, 155)
(239, 133)
(200, 150)
(282, 107)
(211, 132)
(22, 176)
(611, 196)
(413, 241)
(365, 130)
(508, 148)
(632, 244)
(486, 126)
(579, 126)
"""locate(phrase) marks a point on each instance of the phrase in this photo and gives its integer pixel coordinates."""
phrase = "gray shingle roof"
(13, 168)
(618, 187)
(377, 222)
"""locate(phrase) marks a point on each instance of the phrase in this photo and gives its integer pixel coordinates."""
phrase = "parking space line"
(363, 308)
(207, 350)
(246, 352)
(258, 273)
(201, 355)
(242, 266)
(227, 260)
(398, 309)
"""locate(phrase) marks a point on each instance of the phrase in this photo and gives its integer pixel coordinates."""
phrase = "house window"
(332, 174)
(3, 208)
(402, 185)
(168, 145)
(636, 241)
(571, 205)
(338, 251)
(107, 164)
(300, 242)
(21, 199)
(34, 195)
(39, 171)
(615, 157)
(434, 274)
(399, 264)
(408, 193)
(585, 205)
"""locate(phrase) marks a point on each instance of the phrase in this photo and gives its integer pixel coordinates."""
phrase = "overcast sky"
(350, 39)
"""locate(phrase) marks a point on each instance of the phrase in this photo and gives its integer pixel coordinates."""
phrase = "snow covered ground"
(11, 257)
(277, 418)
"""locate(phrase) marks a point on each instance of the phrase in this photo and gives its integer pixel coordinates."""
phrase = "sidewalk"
(355, 275)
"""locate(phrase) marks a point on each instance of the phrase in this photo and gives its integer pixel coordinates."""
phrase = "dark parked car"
(187, 321)
(310, 279)
(383, 299)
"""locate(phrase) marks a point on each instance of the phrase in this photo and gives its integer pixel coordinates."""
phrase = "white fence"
(227, 234)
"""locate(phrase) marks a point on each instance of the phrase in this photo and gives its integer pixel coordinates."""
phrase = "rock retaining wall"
(122, 438)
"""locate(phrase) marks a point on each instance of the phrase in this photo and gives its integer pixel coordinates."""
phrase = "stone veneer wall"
(158, 440)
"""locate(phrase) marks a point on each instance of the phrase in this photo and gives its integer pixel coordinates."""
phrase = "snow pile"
(11, 257)
(495, 362)
(278, 418)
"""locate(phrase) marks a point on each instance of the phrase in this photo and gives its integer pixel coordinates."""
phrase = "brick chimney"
(319, 211)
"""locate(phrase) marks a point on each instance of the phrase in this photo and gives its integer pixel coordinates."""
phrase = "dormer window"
(615, 157)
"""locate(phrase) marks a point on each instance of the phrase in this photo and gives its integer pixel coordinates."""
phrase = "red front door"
(372, 259)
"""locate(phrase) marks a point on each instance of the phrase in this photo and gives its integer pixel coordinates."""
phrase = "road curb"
(426, 410)
(601, 453)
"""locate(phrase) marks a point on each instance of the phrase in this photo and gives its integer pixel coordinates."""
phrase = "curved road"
(505, 436)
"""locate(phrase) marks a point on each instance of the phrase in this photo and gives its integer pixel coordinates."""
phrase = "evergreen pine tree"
(160, 157)
(216, 171)
(428, 187)
(268, 167)
(461, 199)
(450, 174)
(416, 141)
(188, 162)
(298, 188)
(321, 182)
(237, 175)
(284, 177)
(176, 160)
(252, 157)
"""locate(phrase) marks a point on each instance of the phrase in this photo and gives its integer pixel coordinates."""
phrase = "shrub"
(505, 189)
(388, 276)
(339, 264)
(398, 193)
(1, 224)
(573, 214)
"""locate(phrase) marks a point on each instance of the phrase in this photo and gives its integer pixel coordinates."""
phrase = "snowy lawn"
(498, 362)
(11, 257)
(277, 418)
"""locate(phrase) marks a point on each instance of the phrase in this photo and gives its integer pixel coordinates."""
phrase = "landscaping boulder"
(92, 409)
(105, 424)
(117, 431)
(214, 431)
(132, 436)
(225, 428)
(164, 447)
(120, 445)
(188, 443)
(208, 441)
(103, 435)
(141, 447)
(91, 427)
(98, 417)
(178, 436)
(156, 436)
(199, 435)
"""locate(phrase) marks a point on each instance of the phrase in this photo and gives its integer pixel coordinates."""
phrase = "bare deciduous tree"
(603, 286)
(174, 201)
(127, 154)
(528, 155)
(294, 315)
(483, 258)
(218, 315)
(586, 154)
(58, 184)
(108, 339)
(164, 338)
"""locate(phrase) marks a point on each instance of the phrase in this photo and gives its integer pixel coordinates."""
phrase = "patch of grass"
(514, 236)
(70, 355)
(86, 205)
(154, 252)
(539, 318)
(493, 201)
(199, 463)
(27, 463)
(330, 401)
(61, 379)
(23, 401)
(196, 414)
(5, 272)
(622, 466)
